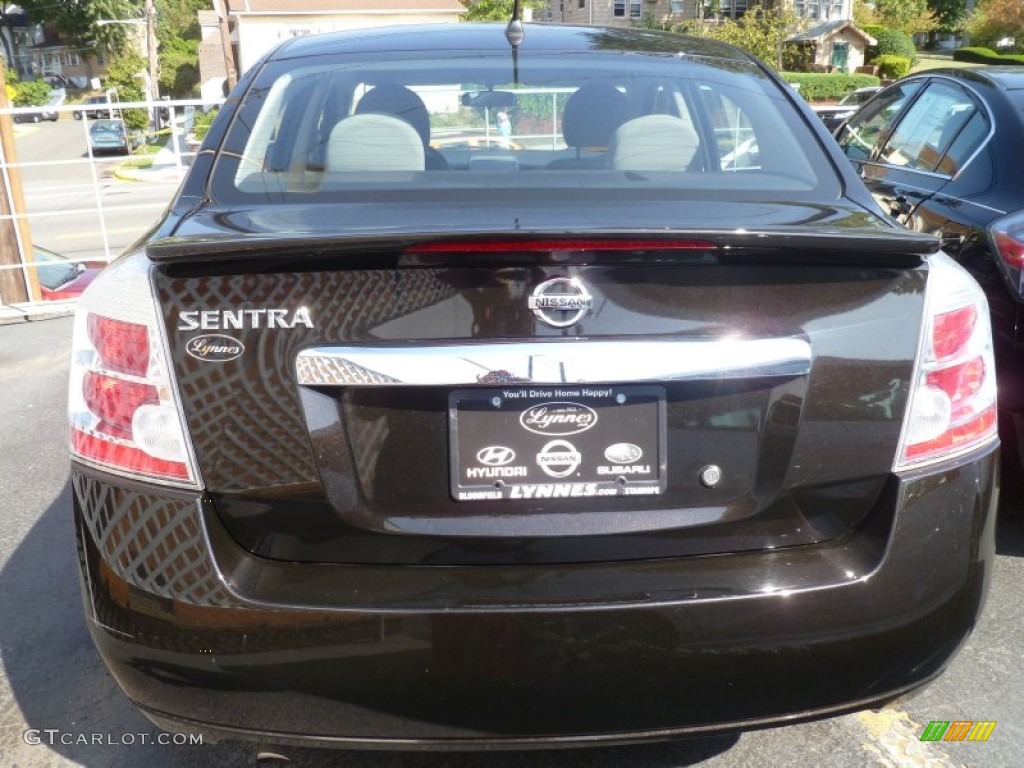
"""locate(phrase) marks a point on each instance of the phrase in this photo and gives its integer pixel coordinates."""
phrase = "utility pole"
(151, 52)
(225, 40)
(16, 285)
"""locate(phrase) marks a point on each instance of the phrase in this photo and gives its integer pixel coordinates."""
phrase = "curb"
(30, 313)
(122, 173)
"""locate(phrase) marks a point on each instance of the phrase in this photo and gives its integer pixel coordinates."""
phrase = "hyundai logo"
(560, 302)
(495, 456)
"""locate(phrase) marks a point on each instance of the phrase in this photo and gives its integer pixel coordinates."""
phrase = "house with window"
(43, 52)
(831, 38)
(837, 45)
(625, 12)
(257, 26)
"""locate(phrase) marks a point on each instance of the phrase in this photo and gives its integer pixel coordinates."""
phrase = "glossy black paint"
(289, 614)
(285, 465)
(532, 655)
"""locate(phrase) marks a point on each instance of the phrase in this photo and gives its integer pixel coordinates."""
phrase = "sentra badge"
(242, 319)
(561, 301)
(558, 419)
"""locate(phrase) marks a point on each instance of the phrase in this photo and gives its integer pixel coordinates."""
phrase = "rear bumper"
(203, 636)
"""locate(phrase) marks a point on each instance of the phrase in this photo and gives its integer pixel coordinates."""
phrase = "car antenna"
(515, 33)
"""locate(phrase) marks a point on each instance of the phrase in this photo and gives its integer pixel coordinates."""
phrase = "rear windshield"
(404, 126)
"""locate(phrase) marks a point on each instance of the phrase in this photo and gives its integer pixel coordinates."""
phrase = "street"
(74, 205)
(53, 679)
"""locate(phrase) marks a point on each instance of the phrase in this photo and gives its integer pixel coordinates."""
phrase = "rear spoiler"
(868, 246)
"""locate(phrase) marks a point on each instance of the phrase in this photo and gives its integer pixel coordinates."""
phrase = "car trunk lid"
(354, 402)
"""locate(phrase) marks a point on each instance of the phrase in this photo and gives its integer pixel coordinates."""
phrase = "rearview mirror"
(494, 99)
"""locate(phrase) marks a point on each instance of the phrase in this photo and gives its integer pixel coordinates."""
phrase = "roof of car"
(1005, 78)
(491, 36)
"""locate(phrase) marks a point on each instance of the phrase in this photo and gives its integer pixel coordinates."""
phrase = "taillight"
(1006, 236)
(952, 406)
(123, 410)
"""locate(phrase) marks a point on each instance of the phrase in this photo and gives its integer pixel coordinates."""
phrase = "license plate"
(561, 441)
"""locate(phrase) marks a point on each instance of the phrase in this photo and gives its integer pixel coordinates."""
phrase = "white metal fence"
(170, 128)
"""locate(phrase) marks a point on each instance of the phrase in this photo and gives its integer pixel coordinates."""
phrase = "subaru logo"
(561, 301)
(495, 456)
(623, 453)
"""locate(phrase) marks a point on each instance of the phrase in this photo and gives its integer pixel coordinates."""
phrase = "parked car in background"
(95, 108)
(62, 278)
(655, 426)
(36, 116)
(941, 153)
(833, 115)
(110, 136)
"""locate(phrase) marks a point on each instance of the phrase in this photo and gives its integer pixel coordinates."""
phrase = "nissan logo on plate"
(495, 456)
(560, 302)
(559, 458)
(558, 419)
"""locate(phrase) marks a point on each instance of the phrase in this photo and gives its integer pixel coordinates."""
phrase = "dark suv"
(92, 111)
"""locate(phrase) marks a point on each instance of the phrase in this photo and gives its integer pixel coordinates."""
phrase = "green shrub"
(202, 123)
(797, 58)
(31, 93)
(892, 67)
(890, 43)
(985, 56)
(833, 85)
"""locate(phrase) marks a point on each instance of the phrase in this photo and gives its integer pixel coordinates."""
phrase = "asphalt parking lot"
(55, 690)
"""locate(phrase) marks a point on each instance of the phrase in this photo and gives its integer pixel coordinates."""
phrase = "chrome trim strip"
(571, 361)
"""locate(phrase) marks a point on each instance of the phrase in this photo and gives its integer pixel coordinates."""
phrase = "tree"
(125, 74)
(864, 15)
(493, 10)
(909, 16)
(178, 34)
(760, 31)
(949, 14)
(994, 20)
(76, 19)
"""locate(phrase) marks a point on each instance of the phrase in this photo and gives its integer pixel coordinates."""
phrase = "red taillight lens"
(122, 409)
(114, 401)
(953, 330)
(121, 346)
(125, 457)
(952, 406)
(955, 439)
(1006, 238)
(961, 383)
(1011, 249)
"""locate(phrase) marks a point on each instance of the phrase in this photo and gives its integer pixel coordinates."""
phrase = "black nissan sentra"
(624, 415)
